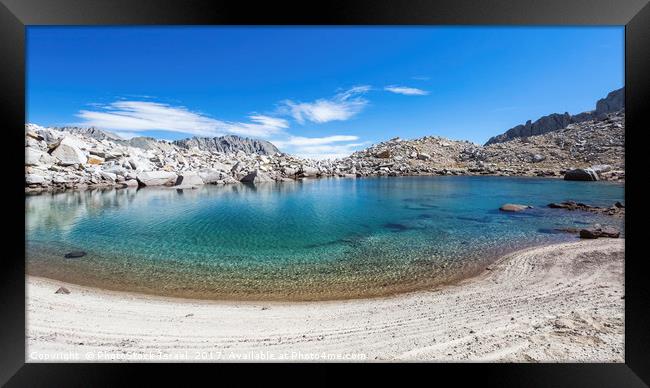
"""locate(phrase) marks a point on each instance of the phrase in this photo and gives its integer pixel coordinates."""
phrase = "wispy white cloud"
(341, 107)
(310, 141)
(261, 126)
(141, 116)
(328, 147)
(329, 151)
(129, 119)
(405, 90)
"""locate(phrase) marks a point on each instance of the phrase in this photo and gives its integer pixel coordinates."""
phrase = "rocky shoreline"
(85, 158)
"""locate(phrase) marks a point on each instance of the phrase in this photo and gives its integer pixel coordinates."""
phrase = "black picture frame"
(16, 14)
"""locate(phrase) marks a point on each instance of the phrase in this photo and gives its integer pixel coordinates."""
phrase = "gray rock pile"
(596, 144)
(77, 158)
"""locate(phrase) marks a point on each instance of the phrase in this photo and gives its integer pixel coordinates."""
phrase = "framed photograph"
(349, 184)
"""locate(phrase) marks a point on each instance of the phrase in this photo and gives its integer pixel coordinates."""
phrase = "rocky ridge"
(57, 159)
(613, 102)
(596, 144)
(229, 144)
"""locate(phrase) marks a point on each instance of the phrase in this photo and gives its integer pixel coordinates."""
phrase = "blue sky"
(317, 91)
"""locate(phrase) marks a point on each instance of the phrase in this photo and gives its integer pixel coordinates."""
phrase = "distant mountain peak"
(93, 132)
(613, 102)
(229, 144)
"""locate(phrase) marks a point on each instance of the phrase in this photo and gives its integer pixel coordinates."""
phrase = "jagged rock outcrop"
(149, 143)
(615, 101)
(229, 144)
(599, 144)
(92, 132)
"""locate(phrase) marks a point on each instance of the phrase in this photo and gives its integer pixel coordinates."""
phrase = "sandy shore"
(558, 303)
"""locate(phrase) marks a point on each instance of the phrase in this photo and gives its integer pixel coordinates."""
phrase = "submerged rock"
(617, 209)
(598, 231)
(74, 254)
(512, 207)
(568, 230)
(570, 205)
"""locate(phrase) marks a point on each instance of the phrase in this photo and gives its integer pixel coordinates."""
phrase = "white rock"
(211, 176)
(601, 168)
(33, 156)
(68, 153)
(117, 170)
(33, 179)
(157, 178)
(109, 176)
(189, 178)
(291, 172)
(308, 171)
(61, 179)
(257, 176)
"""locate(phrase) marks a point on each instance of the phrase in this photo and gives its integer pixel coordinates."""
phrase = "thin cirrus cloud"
(328, 147)
(311, 141)
(132, 117)
(405, 90)
(129, 119)
(328, 151)
(341, 107)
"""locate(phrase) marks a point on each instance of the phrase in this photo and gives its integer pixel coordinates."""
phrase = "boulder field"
(80, 158)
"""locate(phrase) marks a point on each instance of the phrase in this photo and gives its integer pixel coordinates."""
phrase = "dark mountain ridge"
(614, 102)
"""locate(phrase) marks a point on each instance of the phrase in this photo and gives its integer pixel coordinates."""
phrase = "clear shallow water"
(316, 239)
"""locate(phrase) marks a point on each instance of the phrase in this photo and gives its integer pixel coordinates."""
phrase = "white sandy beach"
(557, 303)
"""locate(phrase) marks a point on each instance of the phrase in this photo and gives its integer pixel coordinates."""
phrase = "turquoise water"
(315, 239)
